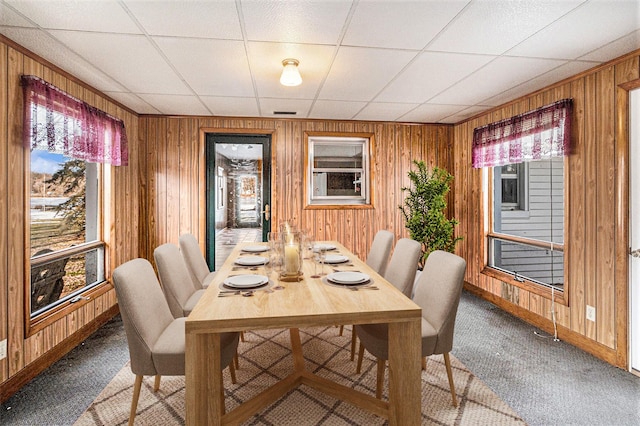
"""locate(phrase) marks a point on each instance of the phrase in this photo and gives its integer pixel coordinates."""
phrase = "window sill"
(47, 318)
(559, 296)
(338, 207)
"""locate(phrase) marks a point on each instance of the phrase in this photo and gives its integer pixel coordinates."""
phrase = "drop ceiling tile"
(266, 66)
(617, 48)
(465, 114)
(359, 74)
(132, 101)
(208, 19)
(9, 17)
(176, 104)
(295, 21)
(130, 59)
(384, 111)
(335, 110)
(40, 43)
(431, 113)
(102, 16)
(269, 105)
(588, 27)
(494, 26)
(210, 67)
(404, 25)
(232, 107)
(496, 77)
(442, 69)
(560, 73)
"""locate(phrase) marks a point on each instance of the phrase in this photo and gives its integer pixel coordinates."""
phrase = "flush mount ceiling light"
(290, 74)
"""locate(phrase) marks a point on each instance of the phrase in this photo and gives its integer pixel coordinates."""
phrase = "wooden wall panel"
(596, 204)
(121, 207)
(395, 146)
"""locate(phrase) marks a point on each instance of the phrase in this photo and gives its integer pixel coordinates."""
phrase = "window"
(68, 141)
(525, 156)
(67, 252)
(337, 170)
(529, 246)
(512, 179)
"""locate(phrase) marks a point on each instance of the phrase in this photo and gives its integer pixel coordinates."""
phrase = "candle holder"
(291, 257)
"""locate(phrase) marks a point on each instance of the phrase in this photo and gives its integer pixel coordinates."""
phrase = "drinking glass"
(277, 262)
(319, 255)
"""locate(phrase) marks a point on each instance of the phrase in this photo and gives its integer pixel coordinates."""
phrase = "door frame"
(208, 239)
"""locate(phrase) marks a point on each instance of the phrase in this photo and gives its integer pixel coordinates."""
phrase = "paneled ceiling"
(410, 61)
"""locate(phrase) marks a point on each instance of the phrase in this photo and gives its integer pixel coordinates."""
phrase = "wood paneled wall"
(173, 195)
(121, 205)
(596, 202)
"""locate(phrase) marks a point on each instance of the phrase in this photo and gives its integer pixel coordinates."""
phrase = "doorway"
(238, 192)
(634, 231)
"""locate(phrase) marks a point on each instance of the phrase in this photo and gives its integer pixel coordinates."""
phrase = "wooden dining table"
(309, 302)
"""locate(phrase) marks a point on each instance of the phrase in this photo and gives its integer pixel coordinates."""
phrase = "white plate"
(255, 249)
(246, 281)
(347, 277)
(251, 260)
(326, 247)
(335, 258)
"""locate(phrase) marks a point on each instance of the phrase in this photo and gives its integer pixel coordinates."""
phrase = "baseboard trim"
(594, 348)
(28, 373)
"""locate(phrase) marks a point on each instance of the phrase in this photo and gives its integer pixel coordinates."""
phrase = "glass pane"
(534, 263)
(337, 156)
(59, 204)
(510, 191)
(541, 190)
(58, 279)
(337, 184)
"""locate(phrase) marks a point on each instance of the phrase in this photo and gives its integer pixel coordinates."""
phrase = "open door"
(238, 192)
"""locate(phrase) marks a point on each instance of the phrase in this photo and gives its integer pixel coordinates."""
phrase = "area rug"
(265, 358)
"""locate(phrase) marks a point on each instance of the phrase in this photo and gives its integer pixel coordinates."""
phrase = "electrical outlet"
(3, 349)
(591, 313)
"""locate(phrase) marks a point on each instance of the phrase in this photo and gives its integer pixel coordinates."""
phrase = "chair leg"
(447, 363)
(360, 356)
(242, 336)
(156, 383)
(380, 378)
(134, 400)
(341, 330)
(236, 361)
(232, 371)
(222, 393)
(424, 362)
(353, 343)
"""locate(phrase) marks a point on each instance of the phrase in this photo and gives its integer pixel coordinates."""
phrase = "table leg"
(296, 350)
(203, 380)
(404, 373)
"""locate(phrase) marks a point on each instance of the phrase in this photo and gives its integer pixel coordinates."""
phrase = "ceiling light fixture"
(290, 74)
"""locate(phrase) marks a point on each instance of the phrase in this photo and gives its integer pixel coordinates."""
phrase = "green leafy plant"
(423, 210)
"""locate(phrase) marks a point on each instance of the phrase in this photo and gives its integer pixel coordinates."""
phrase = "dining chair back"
(379, 253)
(437, 292)
(195, 261)
(401, 270)
(177, 285)
(156, 339)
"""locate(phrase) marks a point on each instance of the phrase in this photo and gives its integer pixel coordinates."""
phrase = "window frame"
(338, 202)
(533, 286)
(40, 319)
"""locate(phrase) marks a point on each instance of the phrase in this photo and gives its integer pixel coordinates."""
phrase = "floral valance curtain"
(57, 122)
(535, 135)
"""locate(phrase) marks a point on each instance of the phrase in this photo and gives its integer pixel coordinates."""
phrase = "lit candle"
(291, 259)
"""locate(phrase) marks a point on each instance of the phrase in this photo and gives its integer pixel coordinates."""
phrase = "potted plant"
(423, 210)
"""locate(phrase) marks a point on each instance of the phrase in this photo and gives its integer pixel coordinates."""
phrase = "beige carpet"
(265, 358)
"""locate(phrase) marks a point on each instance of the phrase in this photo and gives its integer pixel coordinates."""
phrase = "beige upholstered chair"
(379, 253)
(401, 271)
(438, 294)
(155, 338)
(177, 285)
(196, 263)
